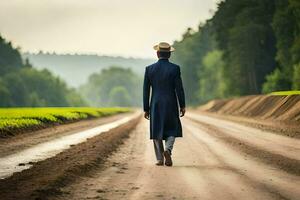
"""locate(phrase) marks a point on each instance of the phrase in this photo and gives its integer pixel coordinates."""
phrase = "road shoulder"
(278, 127)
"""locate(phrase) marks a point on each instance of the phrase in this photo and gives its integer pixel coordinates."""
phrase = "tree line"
(247, 47)
(23, 85)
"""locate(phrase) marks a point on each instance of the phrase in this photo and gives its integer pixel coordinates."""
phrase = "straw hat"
(163, 47)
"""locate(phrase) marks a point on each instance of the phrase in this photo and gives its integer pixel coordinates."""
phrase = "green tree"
(244, 34)
(17, 88)
(74, 99)
(275, 82)
(100, 85)
(34, 100)
(10, 58)
(296, 77)
(211, 77)
(119, 96)
(286, 28)
(189, 54)
(5, 98)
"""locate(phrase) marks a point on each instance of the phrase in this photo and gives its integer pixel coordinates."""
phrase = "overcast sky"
(109, 27)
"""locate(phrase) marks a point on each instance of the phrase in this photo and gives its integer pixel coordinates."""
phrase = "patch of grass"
(286, 93)
(12, 119)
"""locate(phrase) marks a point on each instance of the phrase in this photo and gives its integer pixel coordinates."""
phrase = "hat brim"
(156, 47)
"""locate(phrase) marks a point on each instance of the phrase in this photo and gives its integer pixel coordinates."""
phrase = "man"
(165, 81)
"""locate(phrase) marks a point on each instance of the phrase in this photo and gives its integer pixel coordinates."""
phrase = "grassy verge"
(286, 93)
(18, 119)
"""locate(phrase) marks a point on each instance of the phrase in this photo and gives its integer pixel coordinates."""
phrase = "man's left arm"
(146, 95)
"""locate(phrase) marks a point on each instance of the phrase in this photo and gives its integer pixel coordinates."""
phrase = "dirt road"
(215, 159)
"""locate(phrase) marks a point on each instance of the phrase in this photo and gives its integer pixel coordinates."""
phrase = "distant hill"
(75, 69)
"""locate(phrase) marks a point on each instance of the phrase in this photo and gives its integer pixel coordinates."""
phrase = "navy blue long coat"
(164, 79)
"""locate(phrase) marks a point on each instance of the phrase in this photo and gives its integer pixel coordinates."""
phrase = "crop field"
(283, 93)
(17, 119)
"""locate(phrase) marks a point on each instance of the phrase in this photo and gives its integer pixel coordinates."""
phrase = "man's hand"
(147, 115)
(182, 112)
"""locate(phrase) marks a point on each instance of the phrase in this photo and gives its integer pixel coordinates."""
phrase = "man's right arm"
(180, 91)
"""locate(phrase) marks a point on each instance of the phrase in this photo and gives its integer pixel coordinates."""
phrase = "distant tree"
(5, 98)
(27, 63)
(119, 96)
(74, 99)
(10, 58)
(17, 88)
(296, 77)
(286, 28)
(50, 89)
(275, 82)
(189, 54)
(98, 89)
(211, 81)
(295, 49)
(244, 34)
(34, 100)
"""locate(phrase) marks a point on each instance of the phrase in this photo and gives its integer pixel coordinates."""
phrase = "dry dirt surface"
(279, 114)
(280, 108)
(278, 127)
(216, 159)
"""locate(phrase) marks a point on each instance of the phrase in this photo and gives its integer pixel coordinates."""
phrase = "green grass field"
(295, 92)
(13, 119)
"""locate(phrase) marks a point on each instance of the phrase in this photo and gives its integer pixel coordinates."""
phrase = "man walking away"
(164, 79)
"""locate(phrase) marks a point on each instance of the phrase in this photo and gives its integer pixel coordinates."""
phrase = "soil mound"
(282, 108)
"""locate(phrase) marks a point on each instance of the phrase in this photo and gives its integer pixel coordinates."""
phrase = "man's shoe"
(160, 163)
(168, 158)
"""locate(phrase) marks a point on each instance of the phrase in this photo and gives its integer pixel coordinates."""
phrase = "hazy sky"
(110, 27)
